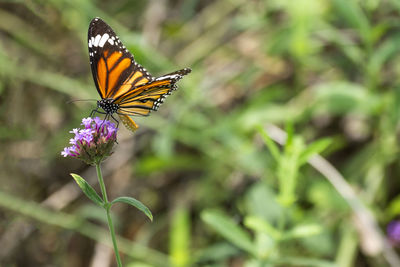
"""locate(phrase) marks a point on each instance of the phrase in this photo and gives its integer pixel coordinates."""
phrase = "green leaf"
(260, 201)
(88, 190)
(229, 229)
(313, 149)
(136, 203)
(343, 97)
(305, 230)
(351, 12)
(289, 128)
(383, 53)
(298, 261)
(273, 148)
(393, 208)
(216, 252)
(179, 245)
(262, 226)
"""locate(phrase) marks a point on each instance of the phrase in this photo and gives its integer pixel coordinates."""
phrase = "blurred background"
(321, 76)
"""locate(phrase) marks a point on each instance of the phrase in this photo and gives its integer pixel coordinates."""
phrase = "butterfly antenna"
(77, 100)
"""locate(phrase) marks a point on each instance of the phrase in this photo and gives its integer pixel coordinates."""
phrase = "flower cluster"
(93, 143)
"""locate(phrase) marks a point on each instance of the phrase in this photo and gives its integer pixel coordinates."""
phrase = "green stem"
(107, 207)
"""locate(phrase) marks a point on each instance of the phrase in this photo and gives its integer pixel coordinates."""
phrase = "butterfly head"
(108, 105)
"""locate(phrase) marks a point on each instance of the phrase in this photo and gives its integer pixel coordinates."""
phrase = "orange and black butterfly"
(125, 87)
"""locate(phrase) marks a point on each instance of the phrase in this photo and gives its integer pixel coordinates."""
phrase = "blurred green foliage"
(222, 192)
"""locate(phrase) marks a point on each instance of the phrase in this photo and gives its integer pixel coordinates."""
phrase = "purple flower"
(87, 122)
(393, 231)
(94, 143)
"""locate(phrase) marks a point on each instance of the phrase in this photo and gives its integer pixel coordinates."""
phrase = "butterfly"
(125, 87)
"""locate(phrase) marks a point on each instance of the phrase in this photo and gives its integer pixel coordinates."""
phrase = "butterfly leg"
(115, 120)
(94, 111)
(105, 118)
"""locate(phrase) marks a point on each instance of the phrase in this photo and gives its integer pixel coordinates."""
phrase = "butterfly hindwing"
(147, 97)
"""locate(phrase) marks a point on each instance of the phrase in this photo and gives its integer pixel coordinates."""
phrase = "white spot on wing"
(111, 41)
(103, 39)
(96, 40)
(90, 43)
(174, 76)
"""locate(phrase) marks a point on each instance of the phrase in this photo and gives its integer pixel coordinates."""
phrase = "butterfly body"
(108, 106)
(125, 87)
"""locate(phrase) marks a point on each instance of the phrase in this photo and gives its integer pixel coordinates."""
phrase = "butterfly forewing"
(114, 70)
